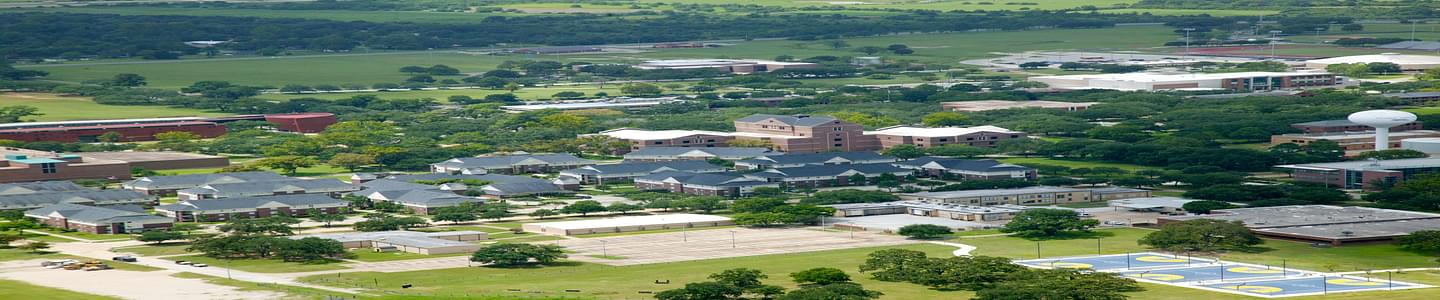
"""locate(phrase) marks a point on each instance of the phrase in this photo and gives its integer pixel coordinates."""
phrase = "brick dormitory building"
(812, 134)
(135, 130)
(25, 165)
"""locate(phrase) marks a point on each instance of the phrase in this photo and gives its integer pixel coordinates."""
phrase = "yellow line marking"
(1258, 289)
(1352, 282)
(1159, 259)
(1253, 270)
(1160, 277)
(1071, 265)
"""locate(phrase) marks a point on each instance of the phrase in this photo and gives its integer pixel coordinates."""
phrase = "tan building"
(639, 138)
(22, 165)
(428, 243)
(1353, 142)
(984, 105)
(978, 136)
(804, 133)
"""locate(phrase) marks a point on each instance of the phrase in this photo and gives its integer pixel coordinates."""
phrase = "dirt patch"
(126, 284)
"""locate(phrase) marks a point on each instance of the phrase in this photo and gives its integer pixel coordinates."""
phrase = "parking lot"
(718, 243)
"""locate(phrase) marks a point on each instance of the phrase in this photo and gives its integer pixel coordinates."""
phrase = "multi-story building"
(99, 220)
(1362, 174)
(21, 165)
(978, 136)
(602, 174)
(217, 210)
(967, 169)
(805, 134)
(1354, 143)
(817, 176)
(813, 159)
(1240, 81)
(1342, 125)
(702, 184)
(169, 185)
(510, 164)
(639, 139)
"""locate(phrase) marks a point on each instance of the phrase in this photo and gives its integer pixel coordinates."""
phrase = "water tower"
(1382, 120)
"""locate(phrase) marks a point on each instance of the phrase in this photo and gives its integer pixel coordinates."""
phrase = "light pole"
(604, 251)
(732, 239)
(1037, 249)
(1187, 41)
(1317, 34)
(1098, 251)
(1273, 33)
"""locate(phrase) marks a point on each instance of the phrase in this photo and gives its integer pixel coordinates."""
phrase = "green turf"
(260, 265)
(369, 255)
(56, 108)
(89, 236)
(1424, 110)
(1070, 163)
(1190, 12)
(21, 290)
(918, 4)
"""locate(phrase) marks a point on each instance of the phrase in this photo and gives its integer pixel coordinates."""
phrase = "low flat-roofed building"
(99, 220)
(309, 122)
(1242, 81)
(1416, 98)
(628, 224)
(943, 210)
(817, 176)
(623, 172)
(1354, 143)
(967, 169)
(1153, 204)
(1362, 174)
(1324, 223)
(1035, 195)
(169, 185)
(1407, 62)
(978, 136)
(161, 160)
(986, 105)
(701, 154)
(1117, 193)
(429, 243)
(1344, 126)
(38, 186)
(22, 165)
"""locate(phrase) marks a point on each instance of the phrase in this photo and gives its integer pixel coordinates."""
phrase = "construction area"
(718, 243)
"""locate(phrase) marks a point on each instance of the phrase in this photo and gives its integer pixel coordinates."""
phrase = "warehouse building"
(1362, 174)
(428, 243)
(628, 224)
(1240, 81)
(1334, 225)
(1407, 62)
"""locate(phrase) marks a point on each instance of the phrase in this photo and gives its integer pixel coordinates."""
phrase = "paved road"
(102, 251)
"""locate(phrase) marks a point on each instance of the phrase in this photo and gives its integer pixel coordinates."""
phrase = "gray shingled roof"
(426, 198)
(710, 151)
(92, 214)
(485, 177)
(707, 179)
(98, 197)
(506, 161)
(826, 170)
(979, 165)
(270, 187)
(37, 186)
(652, 167)
(817, 158)
(521, 188)
(196, 180)
(297, 200)
(391, 185)
(789, 120)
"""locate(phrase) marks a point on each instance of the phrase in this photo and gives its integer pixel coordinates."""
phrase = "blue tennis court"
(1209, 273)
(1309, 285)
(1116, 262)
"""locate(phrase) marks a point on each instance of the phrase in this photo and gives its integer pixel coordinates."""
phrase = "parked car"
(199, 265)
(182, 262)
(125, 258)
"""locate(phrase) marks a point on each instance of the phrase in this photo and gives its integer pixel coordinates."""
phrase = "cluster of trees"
(848, 196)
(1102, 68)
(1419, 193)
(745, 283)
(1269, 195)
(1354, 42)
(1424, 241)
(388, 222)
(1046, 222)
(517, 254)
(1203, 235)
(769, 211)
(466, 212)
(263, 238)
(682, 202)
(1361, 70)
(994, 277)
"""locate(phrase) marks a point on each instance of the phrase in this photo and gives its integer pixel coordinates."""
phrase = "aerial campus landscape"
(701, 149)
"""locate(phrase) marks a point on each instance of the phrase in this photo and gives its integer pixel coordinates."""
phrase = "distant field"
(917, 4)
(56, 108)
(337, 15)
(367, 69)
(1187, 12)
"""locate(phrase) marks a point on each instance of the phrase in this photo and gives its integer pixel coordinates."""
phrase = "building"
(724, 65)
(1037, 195)
(1171, 205)
(312, 122)
(978, 136)
(331, 187)
(22, 165)
(627, 224)
(1240, 81)
(702, 184)
(805, 133)
(1335, 225)
(966, 169)
(1426, 145)
(987, 105)
(929, 209)
(76, 132)
(813, 159)
(421, 201)
(160, 160)
(20, 199)
(428, 243)
(1345, 126)
(38, 186)
(602, 174)
(653, 154)
(558, 50)
(1362, 174)
(1354, 143)
(510, 164)
(1117, 193)
(540, 187)
(640, 139)
(1416, 98)
(219, 210)
(817, 176)
(99, 220)
(169, 185)
(1407, 62)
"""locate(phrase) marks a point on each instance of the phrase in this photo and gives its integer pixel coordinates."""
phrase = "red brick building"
(215, 210)
(21, 165)
(302, 122)
(805, 134)
(98, 220)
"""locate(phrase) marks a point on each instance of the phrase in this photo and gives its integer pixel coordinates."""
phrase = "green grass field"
(1070, 163)
(293, 291)
(367, 255)
(57, 108)
(1424, 110)
(1189, 12)
(918, 4)
(21, 290)
(337, 15)
(441, 95)
(260, 265)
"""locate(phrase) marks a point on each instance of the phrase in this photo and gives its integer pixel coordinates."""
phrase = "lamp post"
(1187, 41)
(604, 251)
(732, 239)
(1273, 33)
(1098, 250)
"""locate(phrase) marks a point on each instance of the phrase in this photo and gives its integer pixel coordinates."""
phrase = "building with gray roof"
(98, 220)
(332, 187)
(38, 186)
(1362, 174)
(420, 201)
(801, 120)
(702, 184)
(1153, 204)
(968, 169)
(622, 172)
(81, 197)
(815, 176)
(443, 242)
(1036, 195)
(814, 159)
(686, 153)
(522, 189)
(213, 210)
(168, 185)
(510, 164)
(1335, 225)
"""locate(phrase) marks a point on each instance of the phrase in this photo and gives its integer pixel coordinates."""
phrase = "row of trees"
(746, 283)
(994, 277)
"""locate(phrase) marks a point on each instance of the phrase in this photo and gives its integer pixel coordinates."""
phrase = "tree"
(820, 276)
(1205, 206)
(640, 89)
(705, 204)
(327, 218)
(707, 290)
(870, 50)
(385, 222)
(309, 249)
(110, 137)
(1034, 65)
(837, 44)
(160, 236)
(1391, 154)
(542, 213)
(185, 228)
(413, 69)
(1047, 222)
(1383, 68)
(1425, 241)
(442, 70)
(1058, 181)
(1061, 284)
(295, 89)
(505, 255)
(276, 225)
(34, 246)
(944, 119)
(126, 80)
(583, 207)
(288, 163)
(905, 151)
(923, 231)
(1352, 27)
(350, 161)
(1201, 235)
(13, 114)
(455, 216)
(623, 208)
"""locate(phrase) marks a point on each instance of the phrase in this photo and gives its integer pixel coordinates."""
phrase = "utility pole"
(1187, 41)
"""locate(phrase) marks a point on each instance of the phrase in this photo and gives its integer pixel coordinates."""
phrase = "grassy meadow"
(57, 108)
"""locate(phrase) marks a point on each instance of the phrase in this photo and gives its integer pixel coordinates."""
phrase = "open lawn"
(918, 4)
(21, 290)
(1424, 110)
(87, 235)
(337, 15)
(57, 108)
(156, 250)
(305, 293)
(1070, 163)
(369, 255)
(260, 265)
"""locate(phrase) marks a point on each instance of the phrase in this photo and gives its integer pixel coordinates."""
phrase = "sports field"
(57, 108)
(1223, 276)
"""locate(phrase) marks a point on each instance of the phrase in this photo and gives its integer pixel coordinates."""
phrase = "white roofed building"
(978, 136)
(1240, 81)
(1407, 62)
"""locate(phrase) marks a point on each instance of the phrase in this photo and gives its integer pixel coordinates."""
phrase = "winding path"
(963, 251)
